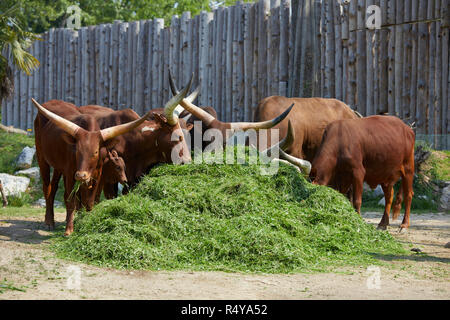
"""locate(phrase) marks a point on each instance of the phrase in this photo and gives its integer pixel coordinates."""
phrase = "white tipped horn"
(169, 108)
(304, 165)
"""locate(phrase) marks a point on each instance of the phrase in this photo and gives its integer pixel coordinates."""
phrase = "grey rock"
(41, 203)
(377, 192)
(13, 185)
(31, 173)
(445, 199)
(382, 202)
(25, 158)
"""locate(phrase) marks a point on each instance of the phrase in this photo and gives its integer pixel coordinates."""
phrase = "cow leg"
(358, 180)
(407, 184)
(50, 200)
(388, 190)
(71, 204)
(44, 169)
(398, 203)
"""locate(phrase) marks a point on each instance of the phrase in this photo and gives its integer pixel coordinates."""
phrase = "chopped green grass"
(227, 218)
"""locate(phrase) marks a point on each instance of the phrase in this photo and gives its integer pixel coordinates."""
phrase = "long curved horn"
(169, 108)
(179, 109)
(285, 143)
(261, 125)
(68, 126)
(115, 131)
(304, 165)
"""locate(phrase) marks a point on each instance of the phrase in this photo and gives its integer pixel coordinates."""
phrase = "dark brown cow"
(156, 141)
(75, 146)
(309, 117)
(377, 150)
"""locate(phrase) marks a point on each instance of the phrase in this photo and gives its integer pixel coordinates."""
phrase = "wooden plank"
(437, 79)
(229, 66)
(131, 62)
(149, 67)
(84, 67)
(414, 62)
(123, 74)
(407, 57)
(17, 104)
(361, 62)
(248, 49)
(158, 25)
(218, 25)
(92, 65)
(398, 57)
(114, 66)
(139, 67)
(50, 58)
(185, 58)
(254, 78)
(338, 59)
(284, 47)
(445, 82)
(203, 52)
(275, 13)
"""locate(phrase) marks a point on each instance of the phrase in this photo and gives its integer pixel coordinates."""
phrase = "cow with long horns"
(75, 146)
(160, 140)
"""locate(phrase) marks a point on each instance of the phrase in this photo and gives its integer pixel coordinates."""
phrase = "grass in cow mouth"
(227, 218)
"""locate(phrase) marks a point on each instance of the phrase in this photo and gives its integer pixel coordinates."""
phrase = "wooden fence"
(244, 53)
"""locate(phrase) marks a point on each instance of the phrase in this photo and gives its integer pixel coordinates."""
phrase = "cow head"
(89, 145)
(170, 142)
(115, 166)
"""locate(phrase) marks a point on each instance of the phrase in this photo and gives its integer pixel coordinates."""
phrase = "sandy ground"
(26, 264)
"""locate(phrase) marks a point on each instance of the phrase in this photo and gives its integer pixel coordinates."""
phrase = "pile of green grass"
(225, 217)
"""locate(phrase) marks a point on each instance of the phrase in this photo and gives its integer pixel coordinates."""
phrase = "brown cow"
(377, 150)
(75, 146)
(160, 140)
(309, 117)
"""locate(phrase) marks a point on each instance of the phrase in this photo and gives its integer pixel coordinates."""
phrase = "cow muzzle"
(82, 176)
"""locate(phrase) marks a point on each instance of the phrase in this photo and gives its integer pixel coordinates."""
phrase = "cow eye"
(181, 138)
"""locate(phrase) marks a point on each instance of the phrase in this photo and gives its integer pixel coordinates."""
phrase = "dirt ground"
(26, 264)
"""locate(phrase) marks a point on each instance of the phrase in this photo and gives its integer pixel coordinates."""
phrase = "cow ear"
(68, 138)
(189, 126)
(160, 118)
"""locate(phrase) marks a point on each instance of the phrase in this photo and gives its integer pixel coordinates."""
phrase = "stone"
(25, 158)
(41, 203)
(445, 199)
(377, 192)
(382, 202)
(30, 173)
(13, 185)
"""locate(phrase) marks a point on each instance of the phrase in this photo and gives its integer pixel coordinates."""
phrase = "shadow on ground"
(26, 231)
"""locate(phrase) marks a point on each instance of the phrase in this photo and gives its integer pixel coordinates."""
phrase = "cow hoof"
(380, 227)
(402, 230)
(67, 233)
